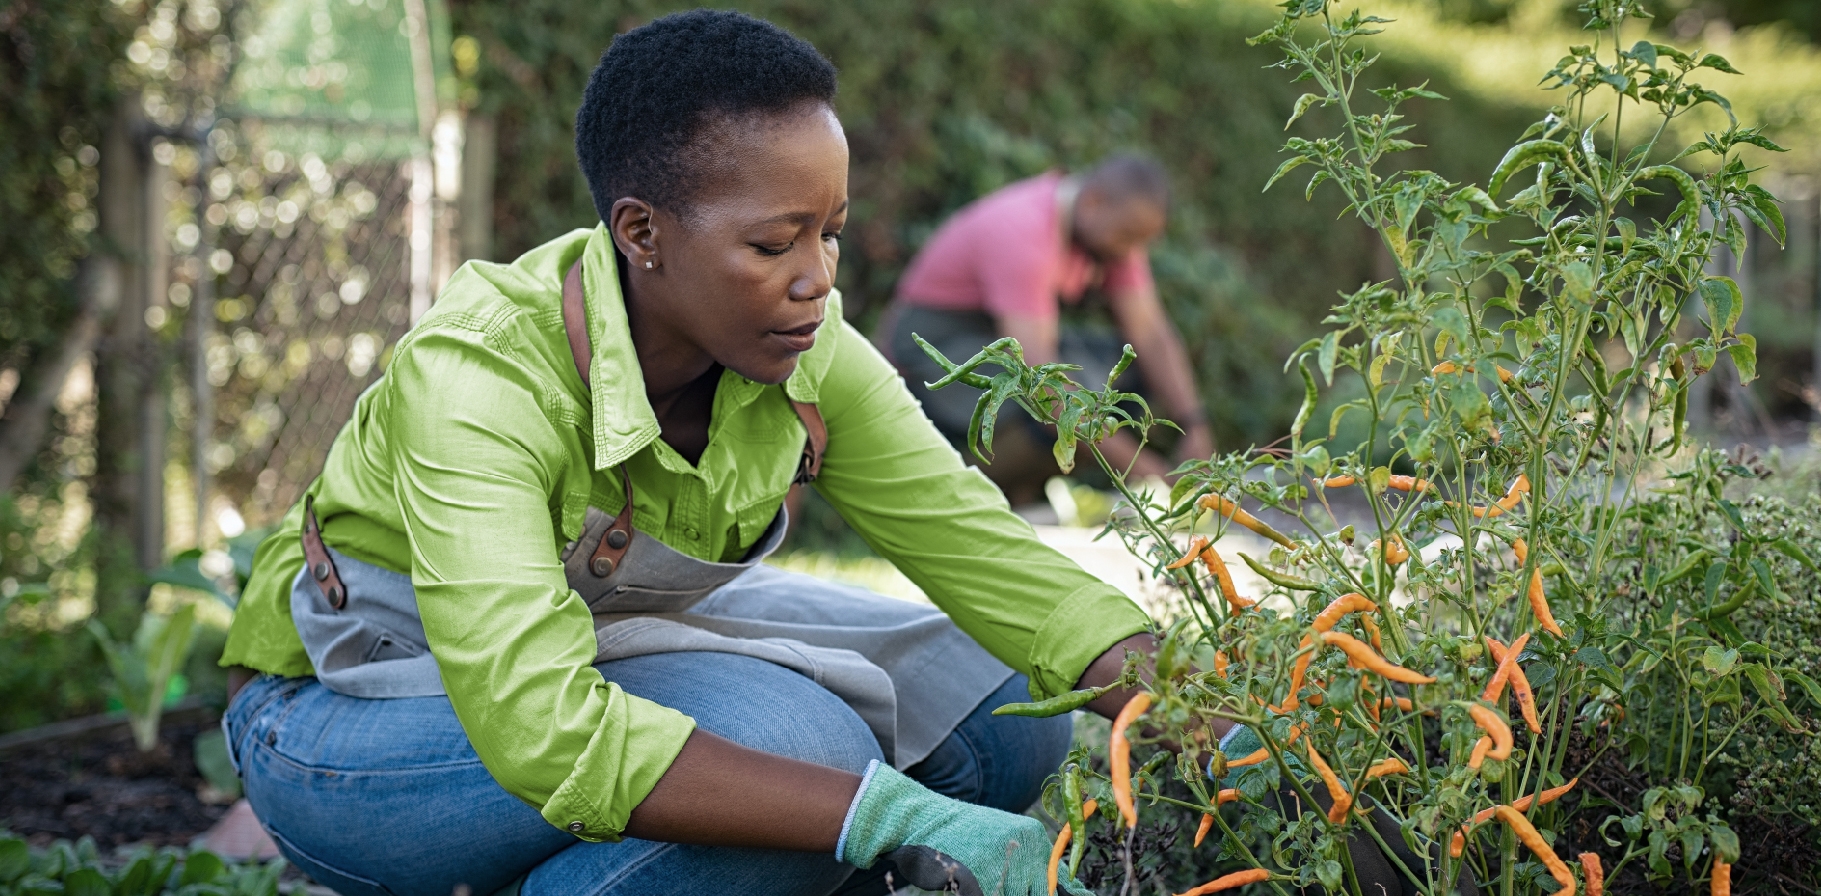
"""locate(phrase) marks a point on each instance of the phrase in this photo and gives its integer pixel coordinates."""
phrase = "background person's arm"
(1165, 364)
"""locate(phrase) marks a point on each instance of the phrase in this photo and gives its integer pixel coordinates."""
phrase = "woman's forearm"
(718, 793)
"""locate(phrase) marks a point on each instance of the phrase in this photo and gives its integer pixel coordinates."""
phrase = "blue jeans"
(388, 797)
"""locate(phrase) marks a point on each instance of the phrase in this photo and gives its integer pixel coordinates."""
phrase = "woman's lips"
(799, 339)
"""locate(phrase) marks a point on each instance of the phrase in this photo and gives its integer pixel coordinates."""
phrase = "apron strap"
(575, 326)
(321, 565)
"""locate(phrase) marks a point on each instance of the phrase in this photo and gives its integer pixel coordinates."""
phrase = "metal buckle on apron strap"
(316, 555)
(618, 537)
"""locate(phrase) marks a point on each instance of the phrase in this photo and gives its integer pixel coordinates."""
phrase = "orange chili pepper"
(1519, 488)
(1392, 766)
(1343, 801)
(1520, 550)
(1358, 652)
(1296, 675)
(1218, 568)
(1263, 753)
(1596, 876)
(1062, 844)
(1402, 703)
(1207, 818)
(1505, 376)
(1722, 878)
(1408, 483)
(1330, 616)
(1337, 482)
(1495, 688)
(1539, 605)
(1378, 643)
(1235, 513)
(1444, 368)
(1229, 881)
(1527, 834)
(1196, 545)
(1494, 726)
(1478, 757)
(1520, 683)
(1220, 663)
(1522, 804)
(1120, 757)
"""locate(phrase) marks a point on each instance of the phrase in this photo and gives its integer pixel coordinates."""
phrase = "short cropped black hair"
(659, 86)
(1130, 175)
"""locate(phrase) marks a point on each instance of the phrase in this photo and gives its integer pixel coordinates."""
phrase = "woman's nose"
(817, 277)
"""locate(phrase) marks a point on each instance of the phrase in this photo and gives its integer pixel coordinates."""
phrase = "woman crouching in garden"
(517, 634)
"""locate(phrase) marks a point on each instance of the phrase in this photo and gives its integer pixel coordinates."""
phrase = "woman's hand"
(946, 845)
(1105, 670)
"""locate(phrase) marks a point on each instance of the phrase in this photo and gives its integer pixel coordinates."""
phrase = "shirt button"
(693, 534)
(576, 827)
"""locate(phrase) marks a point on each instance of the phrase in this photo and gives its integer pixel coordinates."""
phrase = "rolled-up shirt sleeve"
(898, 482)
(476, 462)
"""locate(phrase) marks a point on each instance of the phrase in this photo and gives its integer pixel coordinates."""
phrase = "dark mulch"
(103, 787)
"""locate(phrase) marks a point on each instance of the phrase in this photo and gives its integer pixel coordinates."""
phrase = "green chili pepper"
(1071, 788)
(1737, 600)
(1310, 396)
(1685, 569)
(1281, 579)
(1125, 360)
(1054, 706)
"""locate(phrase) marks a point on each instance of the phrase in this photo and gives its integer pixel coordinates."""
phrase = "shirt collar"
(624, 422)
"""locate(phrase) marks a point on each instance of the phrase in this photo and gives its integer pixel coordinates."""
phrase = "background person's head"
(712, 151)
(1123, 204)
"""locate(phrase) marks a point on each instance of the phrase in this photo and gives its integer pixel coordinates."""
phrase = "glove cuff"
(847, 823)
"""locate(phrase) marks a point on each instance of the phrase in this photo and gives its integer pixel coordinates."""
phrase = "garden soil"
(104, 788)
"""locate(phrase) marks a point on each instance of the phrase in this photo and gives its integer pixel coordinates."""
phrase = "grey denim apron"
(904, 668)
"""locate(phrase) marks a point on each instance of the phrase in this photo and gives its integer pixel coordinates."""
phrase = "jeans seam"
(306, 767)
(294, 848)
(977, 766)
(607, 885)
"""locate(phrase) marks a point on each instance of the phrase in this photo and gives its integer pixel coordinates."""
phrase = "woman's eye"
(772, 250)
(832, 237)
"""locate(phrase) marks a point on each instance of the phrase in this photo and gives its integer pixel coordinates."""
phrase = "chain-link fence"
(312, 261)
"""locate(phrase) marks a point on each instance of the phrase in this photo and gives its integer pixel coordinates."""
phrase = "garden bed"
(98, 784)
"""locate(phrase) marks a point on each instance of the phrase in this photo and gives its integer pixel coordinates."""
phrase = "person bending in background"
(1005, 265)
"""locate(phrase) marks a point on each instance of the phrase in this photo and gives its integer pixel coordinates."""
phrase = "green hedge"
(944, 100)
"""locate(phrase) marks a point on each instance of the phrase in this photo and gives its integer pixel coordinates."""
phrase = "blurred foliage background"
(943, 100)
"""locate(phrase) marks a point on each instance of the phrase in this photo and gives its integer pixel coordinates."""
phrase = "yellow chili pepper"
(1237, 514)
(1120, 757)
(1196, 545)
(1392, 766)
(1520, 684)
(1527, 834)
(1343, 801)
(1596, 876)
(1494, 727)
(1366, 658)
(1224, 579)
(1229, 881)
(1522, 805)
(1539, 605)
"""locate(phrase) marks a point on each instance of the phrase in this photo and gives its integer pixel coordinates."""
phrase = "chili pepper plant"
(1521, 386)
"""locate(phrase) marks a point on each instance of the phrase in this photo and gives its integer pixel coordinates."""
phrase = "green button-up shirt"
(470, 465)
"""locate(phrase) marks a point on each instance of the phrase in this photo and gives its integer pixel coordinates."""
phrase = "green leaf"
(1718, 661)
(1288, 166)
(1724, 303)
(1769, 214)
(15, 859)
(1577, 281)
(86, 882)
(1717, 63)
(1760, 679)
(1794, 551)
(1745, 357)
(1330, 348)
(1806, 683)
(201, 867)
(1646, 52)
(1302, 106)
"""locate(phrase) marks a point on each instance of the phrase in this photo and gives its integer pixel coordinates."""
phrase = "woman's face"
(742, 276)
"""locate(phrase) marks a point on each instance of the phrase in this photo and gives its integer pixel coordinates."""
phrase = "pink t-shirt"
(1005, 254)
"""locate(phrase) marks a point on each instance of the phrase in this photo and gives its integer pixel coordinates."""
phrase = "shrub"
(1537, 546)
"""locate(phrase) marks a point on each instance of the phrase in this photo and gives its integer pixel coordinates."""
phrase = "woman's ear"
(633, 225)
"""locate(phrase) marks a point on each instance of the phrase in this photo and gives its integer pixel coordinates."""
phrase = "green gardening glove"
(940, 843)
